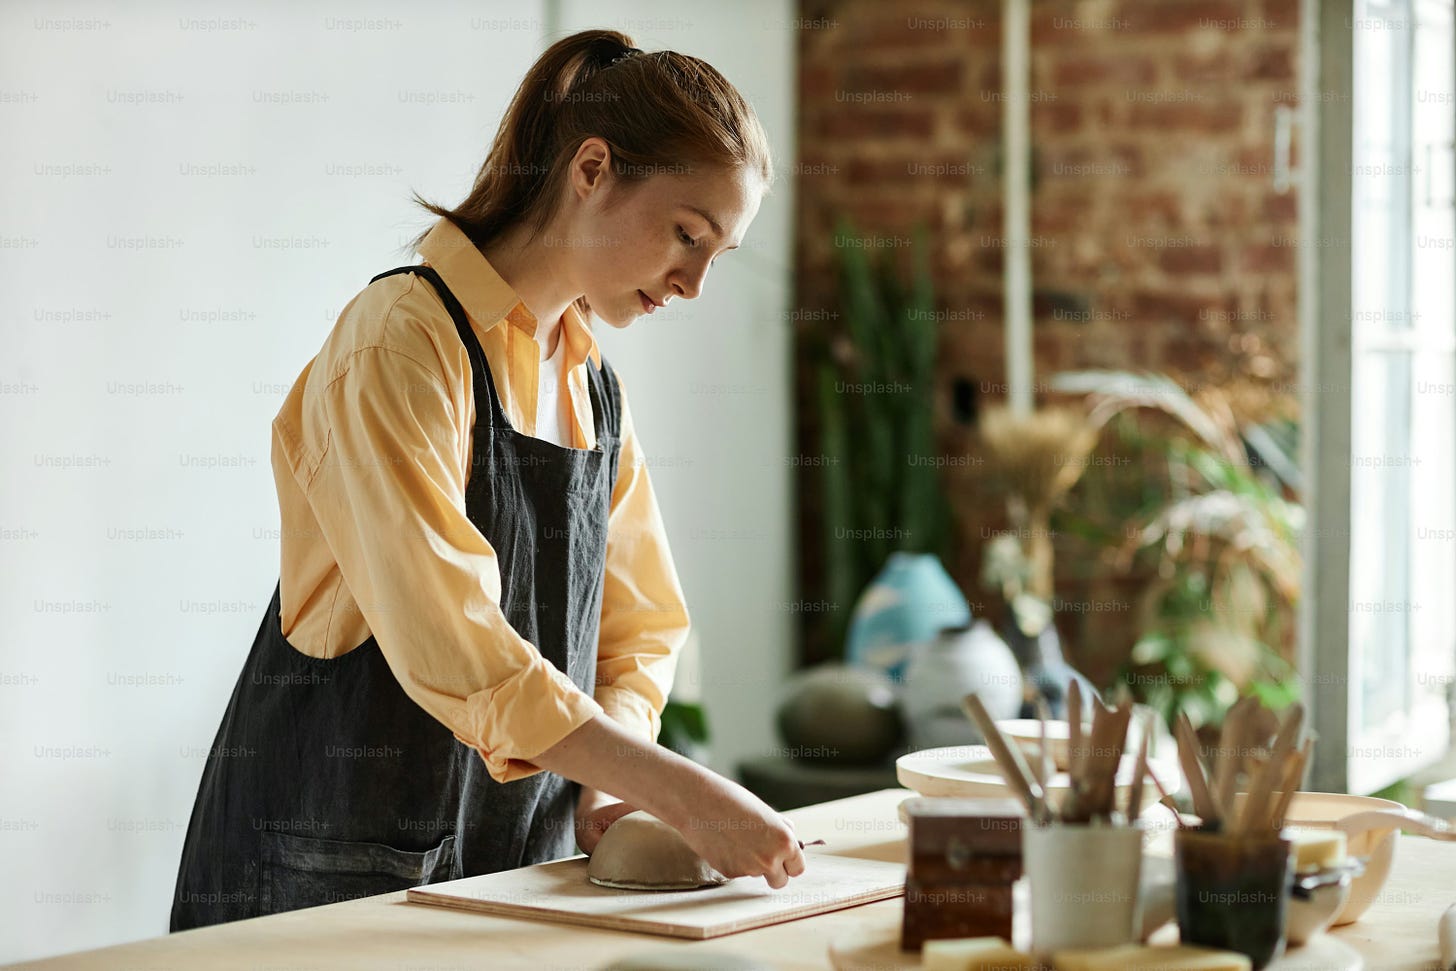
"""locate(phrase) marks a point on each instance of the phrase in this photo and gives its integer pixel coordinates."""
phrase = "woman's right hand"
(738, 834)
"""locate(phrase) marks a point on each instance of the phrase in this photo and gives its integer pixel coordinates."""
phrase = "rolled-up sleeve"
(644, 621)
(389, 495)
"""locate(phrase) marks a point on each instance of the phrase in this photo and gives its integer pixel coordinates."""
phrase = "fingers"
(610, 814)
(795, 865)
(591, 826)
(787, 864)
(780, 873)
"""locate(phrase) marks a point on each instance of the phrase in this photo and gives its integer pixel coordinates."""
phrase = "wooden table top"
(385, 933)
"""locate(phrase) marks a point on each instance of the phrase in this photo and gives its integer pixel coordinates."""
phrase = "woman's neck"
(548, 336)
(533, 271)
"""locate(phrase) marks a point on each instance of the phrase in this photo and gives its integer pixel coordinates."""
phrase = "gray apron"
(326, 782)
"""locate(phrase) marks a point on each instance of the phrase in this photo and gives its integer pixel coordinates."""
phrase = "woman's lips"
(647, 305)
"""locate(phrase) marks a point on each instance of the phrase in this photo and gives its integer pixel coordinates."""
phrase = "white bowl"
(1324, 810)
(1307, 916)
(1376, 847)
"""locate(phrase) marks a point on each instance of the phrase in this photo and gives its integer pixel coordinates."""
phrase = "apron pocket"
(302, 871)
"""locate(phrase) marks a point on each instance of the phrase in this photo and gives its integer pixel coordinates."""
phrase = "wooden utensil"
(1095, 786)
(1166, 798)
(1009, 758)
(1235, 739)
(1203, 803)
(1044, 767)
(1074, 733)
(1256, 815)
(1140, 769)
(1293, 779)
(1080, 807)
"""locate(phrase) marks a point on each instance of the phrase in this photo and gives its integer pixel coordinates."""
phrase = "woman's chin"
(620, 318)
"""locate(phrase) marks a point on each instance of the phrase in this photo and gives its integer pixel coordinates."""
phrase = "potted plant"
(1222, 539)
(880, 490)
(1034, 460)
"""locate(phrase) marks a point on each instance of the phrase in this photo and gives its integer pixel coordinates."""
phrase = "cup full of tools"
(1082, 856)
(1236, 868)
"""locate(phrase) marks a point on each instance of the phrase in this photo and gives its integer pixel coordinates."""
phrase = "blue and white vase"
(906, 606)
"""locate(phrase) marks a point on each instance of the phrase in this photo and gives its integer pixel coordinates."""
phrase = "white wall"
(709, 384)
(153, 318)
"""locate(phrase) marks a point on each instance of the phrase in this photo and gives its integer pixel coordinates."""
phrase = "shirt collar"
(488, 300)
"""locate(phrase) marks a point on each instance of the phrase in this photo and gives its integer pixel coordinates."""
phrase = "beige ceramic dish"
(970, 772)
(1369, 825)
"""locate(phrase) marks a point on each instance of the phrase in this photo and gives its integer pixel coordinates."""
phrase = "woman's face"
(655, 236)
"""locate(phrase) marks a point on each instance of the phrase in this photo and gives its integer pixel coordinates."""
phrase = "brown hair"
(660, 112)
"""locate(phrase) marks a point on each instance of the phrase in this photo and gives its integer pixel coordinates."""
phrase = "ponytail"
(661, 112)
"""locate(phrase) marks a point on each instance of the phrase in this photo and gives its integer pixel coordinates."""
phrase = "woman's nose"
(688, 284)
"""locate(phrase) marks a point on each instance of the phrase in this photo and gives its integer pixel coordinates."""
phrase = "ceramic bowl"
(1317, 899)
(1376, 847)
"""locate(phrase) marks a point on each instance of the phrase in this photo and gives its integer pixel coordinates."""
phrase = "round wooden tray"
(969, 771)
(877, 948)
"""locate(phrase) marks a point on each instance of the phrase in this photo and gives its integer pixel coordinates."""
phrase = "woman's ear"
(591, 167)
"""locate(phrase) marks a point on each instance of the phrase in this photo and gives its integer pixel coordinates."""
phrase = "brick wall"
(1159, 239)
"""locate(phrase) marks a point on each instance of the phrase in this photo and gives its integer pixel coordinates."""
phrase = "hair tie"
(624, 55)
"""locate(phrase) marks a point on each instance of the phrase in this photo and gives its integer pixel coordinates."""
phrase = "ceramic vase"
(959, 661)
(906, 605)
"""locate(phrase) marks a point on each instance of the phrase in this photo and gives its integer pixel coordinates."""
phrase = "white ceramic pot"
(959, 661)
(1084, 885)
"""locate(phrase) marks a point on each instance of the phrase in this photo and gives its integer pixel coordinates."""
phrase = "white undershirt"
(552, 399)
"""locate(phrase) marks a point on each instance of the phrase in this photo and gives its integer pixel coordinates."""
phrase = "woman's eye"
(685, 237)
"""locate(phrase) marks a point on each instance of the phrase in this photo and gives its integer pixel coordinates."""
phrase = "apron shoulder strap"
(483, 384)
(608, 401)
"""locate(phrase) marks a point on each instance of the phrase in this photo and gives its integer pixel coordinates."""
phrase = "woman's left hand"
(595, 811)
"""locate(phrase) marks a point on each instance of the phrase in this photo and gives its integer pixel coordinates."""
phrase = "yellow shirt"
(371, 455)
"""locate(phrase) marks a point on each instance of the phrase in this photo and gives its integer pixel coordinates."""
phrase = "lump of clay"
(640, 852)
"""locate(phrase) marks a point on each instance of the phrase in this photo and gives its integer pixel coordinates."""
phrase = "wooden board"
(559, 891)
(877, 948)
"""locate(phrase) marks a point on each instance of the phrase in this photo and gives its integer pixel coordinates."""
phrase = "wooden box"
(964, 855)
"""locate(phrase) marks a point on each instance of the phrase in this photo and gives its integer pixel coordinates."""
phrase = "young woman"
(477, 616)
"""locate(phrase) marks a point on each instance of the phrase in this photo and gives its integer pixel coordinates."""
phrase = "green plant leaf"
(683, 720)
